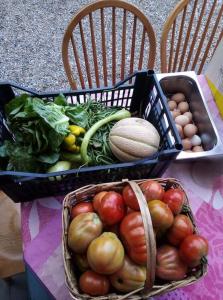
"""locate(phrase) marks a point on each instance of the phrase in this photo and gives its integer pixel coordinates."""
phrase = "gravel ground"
(31, 33)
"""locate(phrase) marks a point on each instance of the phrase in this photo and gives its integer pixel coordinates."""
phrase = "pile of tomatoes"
(107, 239)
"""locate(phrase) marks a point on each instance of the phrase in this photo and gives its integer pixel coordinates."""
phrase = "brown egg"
(175, 113)
(180, 130)
(183, 107)
(197, 149)
(172, 104)
(178, 97)
(189, 115)
(186, 144)
(182, 120)
(190, 130)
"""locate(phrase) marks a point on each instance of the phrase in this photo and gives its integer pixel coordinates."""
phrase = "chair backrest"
(191, 34)
(106, 41)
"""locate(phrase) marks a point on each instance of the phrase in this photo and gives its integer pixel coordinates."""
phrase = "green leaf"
(78, 115)
(50, 158)
(4, 150)
(16, 104)
(52, 115)
(60, 100)
(19, 158)
(55, 140)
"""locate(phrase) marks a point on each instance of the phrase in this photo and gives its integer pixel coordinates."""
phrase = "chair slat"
(179, 39)
(103, 46)
(195, 35)
(110, 30)
(172, 46)
(113, 46)
(123, 45)
(187, 36)
(76, 56)
(210, 40)
(94, 50)
(203, 35)
(219, 39)
(132, 56)
(142, 49)
(85, 55)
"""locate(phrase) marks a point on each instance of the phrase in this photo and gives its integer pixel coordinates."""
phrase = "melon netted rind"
(133, 139)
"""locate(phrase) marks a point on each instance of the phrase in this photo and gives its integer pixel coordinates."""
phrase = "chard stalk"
(119, 115)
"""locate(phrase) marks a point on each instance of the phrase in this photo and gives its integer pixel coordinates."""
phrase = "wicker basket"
(151, 288)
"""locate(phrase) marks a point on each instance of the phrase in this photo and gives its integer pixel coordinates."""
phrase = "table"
(203, 182)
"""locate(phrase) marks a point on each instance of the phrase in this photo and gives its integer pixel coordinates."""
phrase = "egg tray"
(152, 287)
(141, 94)
(186, 83)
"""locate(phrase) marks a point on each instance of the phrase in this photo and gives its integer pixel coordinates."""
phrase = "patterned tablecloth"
(202, 180)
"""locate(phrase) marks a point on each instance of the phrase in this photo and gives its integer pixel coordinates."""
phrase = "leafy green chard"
(20, 158)
(43, 125)
(39, 127)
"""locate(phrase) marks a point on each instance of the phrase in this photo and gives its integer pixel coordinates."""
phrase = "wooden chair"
(191, 34)
(106, 41)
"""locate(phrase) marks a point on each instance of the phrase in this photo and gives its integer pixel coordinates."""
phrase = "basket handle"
(149, 235)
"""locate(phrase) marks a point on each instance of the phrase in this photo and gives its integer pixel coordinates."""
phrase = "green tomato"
(129, 277)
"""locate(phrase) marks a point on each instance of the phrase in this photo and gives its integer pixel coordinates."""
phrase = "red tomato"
(192, 249)
(97, 200)
(112, 208)
(94, 284)
(81, 208)
(133, 237)
(182, 227)
(175, 199)
(168, 264)
(130, 197)
(161, 215)
(152, 190)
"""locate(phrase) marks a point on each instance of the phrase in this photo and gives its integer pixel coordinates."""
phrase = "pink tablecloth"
(203, 181)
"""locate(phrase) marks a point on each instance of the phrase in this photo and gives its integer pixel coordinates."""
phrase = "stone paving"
(31, 33)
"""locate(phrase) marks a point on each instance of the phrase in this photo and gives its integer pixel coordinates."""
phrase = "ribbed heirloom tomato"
(129, 278)
(161, 215)
(168, 264)
(130, 197)
(181, 228)
(152, 190)
(175, 199)
(82, 230)
(112, 208)
(94, 284)
(133, 237)
(105, 254)
(192, 249)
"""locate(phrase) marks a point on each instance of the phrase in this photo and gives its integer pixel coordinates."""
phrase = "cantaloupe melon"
(133, 139)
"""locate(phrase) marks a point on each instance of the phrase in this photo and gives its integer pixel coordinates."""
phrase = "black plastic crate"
(143, 97)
